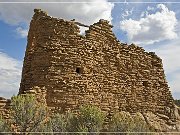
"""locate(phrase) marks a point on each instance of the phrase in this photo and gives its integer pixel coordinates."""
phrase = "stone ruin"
(67, 69)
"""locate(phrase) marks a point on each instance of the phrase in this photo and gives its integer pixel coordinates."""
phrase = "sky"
(151, 24)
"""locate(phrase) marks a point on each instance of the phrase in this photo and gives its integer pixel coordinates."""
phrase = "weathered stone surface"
(4, 107)
(93, 69)
(68, 70)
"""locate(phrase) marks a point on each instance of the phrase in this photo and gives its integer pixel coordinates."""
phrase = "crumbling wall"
(4, 107)
(93, 69)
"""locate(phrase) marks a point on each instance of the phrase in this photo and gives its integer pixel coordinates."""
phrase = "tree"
(27, 114)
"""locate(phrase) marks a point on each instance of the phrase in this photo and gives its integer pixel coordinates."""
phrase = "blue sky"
(154, 26)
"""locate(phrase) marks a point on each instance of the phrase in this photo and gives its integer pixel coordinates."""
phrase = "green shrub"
(121, 122)
(177, 102)
(58, 123)
(4, 126)
(74, 125)
(140, 125)
(27, 113)
(30, 116)
(90, 119)
(124, 122)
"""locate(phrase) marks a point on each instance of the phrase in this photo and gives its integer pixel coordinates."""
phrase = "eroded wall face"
(5, 107)
(92, 69)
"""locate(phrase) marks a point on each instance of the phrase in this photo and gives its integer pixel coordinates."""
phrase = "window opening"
(145, 83)
(78, 70)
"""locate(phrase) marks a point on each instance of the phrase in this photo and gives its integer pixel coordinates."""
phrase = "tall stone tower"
(94, 68)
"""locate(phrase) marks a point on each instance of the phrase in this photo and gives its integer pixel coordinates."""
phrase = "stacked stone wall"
(4, 107)
(94, 68)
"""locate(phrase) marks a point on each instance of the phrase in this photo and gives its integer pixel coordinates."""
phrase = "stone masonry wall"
(92, 69)
(4, 107)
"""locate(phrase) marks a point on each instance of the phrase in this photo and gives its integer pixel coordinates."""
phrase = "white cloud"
(170, 55)
(86, 13)
(150, 8)
(174, 84)
(152, 28)
(83, 29)
(127, 13)
(144, 14)
(22, 32)
(10, 74)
